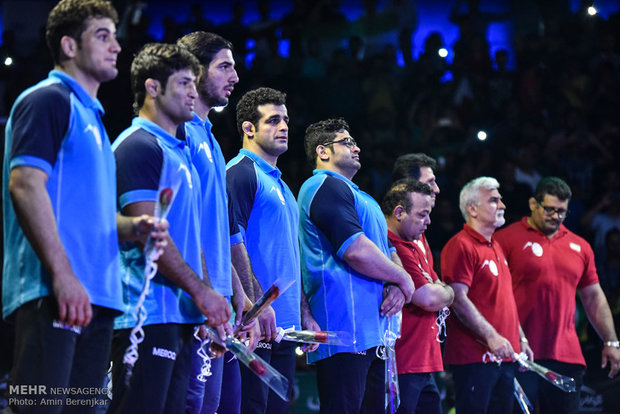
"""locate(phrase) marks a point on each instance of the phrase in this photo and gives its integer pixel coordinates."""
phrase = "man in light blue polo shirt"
(266, 212)
(149, 156)
(61, 279)
(348, 267)
(217, 230)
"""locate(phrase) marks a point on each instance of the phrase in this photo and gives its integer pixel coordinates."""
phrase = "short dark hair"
(158, 61)
(398, 194)
(553, 186)
(321, 132)
(204, 45)
(70, 18)
(247, 107)
(408, 165)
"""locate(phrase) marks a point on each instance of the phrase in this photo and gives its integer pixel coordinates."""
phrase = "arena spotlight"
(443, 52)
(298, 351)
(218, 108)
(481, 135)
(8, 61)
(592, 11)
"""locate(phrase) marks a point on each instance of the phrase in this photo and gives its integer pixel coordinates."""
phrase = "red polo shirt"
(546, 276)
(471, 259)
(417, 350)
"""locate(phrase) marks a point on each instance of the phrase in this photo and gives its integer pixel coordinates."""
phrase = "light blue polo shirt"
(215, 229)
(147, 156)
(266, 212)
(333, 213)
(56, 126)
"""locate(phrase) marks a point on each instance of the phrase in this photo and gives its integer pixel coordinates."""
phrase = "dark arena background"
(511, 89)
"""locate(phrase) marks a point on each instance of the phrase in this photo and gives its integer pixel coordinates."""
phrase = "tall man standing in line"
(348, 269)
(163, 79)
(215, 86)
(549, 265)
(484, 318)
(266, 212)
(407, 207)
(61, 278)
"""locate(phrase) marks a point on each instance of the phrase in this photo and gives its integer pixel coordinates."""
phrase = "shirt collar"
(561, 231)
(78, 90)
(337, 175)
(159, 132)
(394, 238)
(206, 123)
(475, 235)
(264, 165)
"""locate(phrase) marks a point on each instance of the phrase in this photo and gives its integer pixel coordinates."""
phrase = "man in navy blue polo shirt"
(61, 278)
(266, 212)
(348, 267)
(163, 81)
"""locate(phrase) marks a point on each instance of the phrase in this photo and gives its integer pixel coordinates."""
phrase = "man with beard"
(351, 275)
(549, 265)
(484, 325)
(216, 231)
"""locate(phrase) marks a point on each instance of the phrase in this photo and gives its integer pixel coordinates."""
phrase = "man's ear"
(399, 212)
(472, 210)
(248, 128)
(532, 202)
(68, 46)
(152, 87)
(322, 152)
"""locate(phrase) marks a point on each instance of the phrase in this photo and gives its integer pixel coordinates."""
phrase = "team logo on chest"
(576, 247)
(536, 248)
(492, 267)
(279, 193)
(188, 175)
(205, 147)
(96, 134)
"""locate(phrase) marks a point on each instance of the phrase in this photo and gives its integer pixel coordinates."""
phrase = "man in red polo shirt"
(407, 207)
(484, 317)
(549, 264)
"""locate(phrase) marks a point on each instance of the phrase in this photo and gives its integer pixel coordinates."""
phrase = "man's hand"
(407, 287)
(500, 347)
(525, 347)
(145, 226)
(241, 304)
(393, 300)
(73, 302)
(267, 324)
(213, 305)
(611, 355)
(309, 324)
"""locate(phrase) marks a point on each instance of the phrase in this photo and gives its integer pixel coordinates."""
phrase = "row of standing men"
(234, 229)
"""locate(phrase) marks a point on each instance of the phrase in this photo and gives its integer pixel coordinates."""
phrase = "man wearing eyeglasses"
(351, 276)
(549, 264)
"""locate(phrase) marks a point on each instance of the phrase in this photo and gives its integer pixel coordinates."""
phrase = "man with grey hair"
(484, 326)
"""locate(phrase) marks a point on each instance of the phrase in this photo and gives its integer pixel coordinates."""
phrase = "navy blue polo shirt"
(266, 212)
(56, 126)
(148, 159)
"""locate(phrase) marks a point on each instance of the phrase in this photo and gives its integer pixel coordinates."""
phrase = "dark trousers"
(160, 377)
(418, 394)
(484, 388)
(230, 398)
(256, 397)
(55, 357)
(351, 383)
(551, 399)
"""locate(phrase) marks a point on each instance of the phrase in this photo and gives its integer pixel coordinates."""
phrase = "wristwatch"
(614, 344)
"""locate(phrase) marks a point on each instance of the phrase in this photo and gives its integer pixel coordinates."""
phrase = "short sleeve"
(139, 161)
(456, 263)
(241, 185)
(39, 124)
(333, 212)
